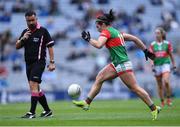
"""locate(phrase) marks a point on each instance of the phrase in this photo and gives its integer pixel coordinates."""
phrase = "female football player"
(161, 64)
(121, 66)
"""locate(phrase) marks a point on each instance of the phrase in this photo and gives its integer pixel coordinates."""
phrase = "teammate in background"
(121, 66)
(161, 64)
(35, 39)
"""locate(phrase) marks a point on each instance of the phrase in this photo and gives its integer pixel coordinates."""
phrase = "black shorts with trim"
(35, 70)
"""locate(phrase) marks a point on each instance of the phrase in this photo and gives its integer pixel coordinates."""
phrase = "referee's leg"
(36, 75)
(34, 99)
(34, 95)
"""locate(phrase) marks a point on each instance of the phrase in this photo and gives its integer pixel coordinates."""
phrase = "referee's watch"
(52, 61)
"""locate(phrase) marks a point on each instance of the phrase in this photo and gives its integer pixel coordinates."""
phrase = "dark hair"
(163, 32)
(106, 18)
(30, 13)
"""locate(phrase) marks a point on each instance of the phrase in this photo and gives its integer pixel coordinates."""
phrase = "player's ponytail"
(106, 18)
(110, 16)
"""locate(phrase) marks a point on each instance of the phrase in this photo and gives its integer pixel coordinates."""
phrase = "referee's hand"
(51, 67)
(26, 35)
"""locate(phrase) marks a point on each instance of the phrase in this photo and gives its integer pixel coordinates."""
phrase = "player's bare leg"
(165, 80)
(106, 73)
(130, 81)
(160, 89)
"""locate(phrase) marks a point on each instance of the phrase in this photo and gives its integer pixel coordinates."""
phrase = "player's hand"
(26, 35)
(51, 67)
(174, 69)
(148, 54)
(153, 69)
(86, 36)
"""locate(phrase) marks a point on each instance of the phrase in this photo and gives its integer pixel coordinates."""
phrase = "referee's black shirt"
(35, 45)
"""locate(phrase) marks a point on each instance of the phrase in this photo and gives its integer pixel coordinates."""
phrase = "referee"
(35, 39)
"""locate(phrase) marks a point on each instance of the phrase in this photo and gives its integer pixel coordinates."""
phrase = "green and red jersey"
(161, 51)
(116, 45)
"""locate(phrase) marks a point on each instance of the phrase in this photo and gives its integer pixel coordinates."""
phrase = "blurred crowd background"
(76, 60)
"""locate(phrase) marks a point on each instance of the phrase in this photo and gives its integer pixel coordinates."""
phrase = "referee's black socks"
(43, 101)
(34, 100)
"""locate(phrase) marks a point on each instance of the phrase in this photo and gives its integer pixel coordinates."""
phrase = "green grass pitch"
(107, 112)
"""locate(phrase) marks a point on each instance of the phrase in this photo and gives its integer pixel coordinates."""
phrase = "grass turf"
(105, 113)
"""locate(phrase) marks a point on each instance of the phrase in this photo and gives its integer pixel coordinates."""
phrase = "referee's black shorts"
(35, 70)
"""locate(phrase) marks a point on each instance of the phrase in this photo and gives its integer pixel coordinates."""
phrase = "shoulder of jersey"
(167, 42)
(154, 42)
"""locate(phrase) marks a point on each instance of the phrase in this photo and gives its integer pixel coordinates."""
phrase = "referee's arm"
(51, 53)
(18, 44)
(23, 37)
(50, 44)
(51, 66)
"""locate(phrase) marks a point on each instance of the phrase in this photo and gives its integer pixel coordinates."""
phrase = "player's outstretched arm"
(96, 43)
(136, 40)
(140, 44)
